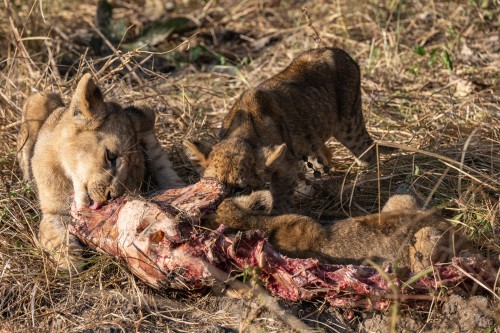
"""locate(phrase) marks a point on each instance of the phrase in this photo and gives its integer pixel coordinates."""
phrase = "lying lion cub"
(285, 119)
(400, 233)
(92, 149)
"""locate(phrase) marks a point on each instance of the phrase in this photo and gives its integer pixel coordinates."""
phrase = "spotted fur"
(285, 118)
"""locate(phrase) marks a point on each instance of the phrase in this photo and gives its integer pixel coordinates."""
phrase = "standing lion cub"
(93, 150)
(285, 118)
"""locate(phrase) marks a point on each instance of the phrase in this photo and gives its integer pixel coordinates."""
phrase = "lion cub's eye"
(111, 158)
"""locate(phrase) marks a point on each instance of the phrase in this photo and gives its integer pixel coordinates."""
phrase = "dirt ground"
(430, 81)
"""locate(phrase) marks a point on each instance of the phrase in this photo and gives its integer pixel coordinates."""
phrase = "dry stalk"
(447, 142)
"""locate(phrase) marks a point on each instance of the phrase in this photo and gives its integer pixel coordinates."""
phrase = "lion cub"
(93, 150)
(400, 233)
(284, 119)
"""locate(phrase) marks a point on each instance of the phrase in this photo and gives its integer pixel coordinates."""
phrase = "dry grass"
(430, 85)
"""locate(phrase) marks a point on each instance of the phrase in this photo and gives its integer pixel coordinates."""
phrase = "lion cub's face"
(236, 163)
(106, 161)
(102, 150)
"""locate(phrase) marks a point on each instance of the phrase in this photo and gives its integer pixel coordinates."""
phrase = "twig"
(447, 161)
(470, 276)
(116, 52)
(435, 187)
(9, 102)
(315, 35)
(466, 145)
(14, 124)
(19, 43)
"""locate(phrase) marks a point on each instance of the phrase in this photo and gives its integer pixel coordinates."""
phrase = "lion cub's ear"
(260, 202)
(87, 105)
(197, 154)
(273, 156)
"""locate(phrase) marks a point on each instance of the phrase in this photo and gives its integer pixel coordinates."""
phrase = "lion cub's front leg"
(294, 235)
(64, 248)
(283, 184)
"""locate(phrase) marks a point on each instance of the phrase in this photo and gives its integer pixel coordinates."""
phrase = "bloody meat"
(162, 241)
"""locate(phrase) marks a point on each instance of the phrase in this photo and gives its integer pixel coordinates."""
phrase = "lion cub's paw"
(65, 249)
(69, 257)
(432, 245)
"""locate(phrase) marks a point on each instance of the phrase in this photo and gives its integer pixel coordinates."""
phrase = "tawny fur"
(93, 151)
(401, 233)
(287, 117)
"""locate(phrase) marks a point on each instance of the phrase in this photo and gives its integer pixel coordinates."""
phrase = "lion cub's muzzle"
(100, 194)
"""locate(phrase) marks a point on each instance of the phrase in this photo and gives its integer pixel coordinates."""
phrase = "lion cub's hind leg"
(37, 109)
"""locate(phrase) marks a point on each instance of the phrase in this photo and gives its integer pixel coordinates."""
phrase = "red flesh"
(160, 239)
